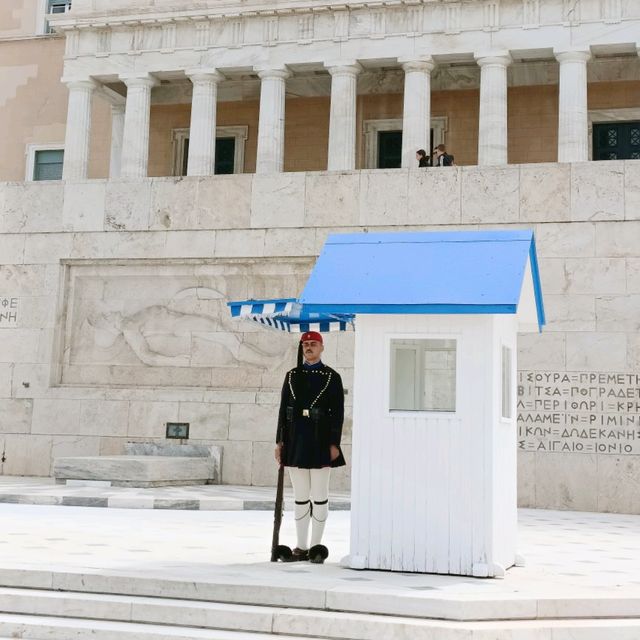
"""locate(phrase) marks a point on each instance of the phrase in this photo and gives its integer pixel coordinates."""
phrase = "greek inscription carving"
(584, 412)
(8, 311)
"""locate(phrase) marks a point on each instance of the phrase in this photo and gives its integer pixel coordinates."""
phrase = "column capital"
(573, 55)
(425, 64)
(268, 73)
(204, 74)
(343, 68)
(138, 80)
(493, 58)
(83, 84)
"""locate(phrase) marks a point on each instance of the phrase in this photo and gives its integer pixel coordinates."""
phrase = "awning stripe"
(289, 315)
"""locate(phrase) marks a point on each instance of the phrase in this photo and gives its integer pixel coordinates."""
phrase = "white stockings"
(311, 495)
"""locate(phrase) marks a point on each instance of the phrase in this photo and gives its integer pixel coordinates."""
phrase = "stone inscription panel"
(164, 323)
(8, 311)
(579, 412)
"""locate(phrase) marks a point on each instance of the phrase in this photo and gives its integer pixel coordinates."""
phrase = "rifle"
(279, 551)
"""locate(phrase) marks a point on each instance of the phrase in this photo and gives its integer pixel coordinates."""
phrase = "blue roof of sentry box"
(459, 272)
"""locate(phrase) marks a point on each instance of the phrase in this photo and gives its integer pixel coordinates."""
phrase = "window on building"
(56, 6)
(47, 164)
(389, 149)
(507, 409)
(423, 375)
(616, 141)
(230, 144)
(225, 156)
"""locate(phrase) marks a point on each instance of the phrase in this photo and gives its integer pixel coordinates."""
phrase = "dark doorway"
(225, 155)
(389, 149)
(616, 141)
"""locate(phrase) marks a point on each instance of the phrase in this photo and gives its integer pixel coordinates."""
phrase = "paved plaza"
(587, 553)
(580, 566)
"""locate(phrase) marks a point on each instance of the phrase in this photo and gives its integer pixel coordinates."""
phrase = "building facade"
(120, 243)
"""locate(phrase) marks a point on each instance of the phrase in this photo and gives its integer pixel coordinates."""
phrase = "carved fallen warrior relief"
(167, 324)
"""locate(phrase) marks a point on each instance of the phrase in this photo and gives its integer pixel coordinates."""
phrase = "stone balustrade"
(252, 207)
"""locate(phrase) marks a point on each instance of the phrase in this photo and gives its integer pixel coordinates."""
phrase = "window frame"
(239, 132)
(30, 153)
(608, 116)
(371, 128)
(511, 404)
(42, 24)
(403, 413)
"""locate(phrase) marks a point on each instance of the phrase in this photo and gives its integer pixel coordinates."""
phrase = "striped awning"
(288, 314)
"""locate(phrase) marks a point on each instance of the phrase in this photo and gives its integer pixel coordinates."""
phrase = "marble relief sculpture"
(161, 329)
(160, 336)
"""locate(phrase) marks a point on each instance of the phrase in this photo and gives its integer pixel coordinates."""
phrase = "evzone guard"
(308, 445)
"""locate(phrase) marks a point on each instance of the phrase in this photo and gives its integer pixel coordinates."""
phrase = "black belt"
(312, 413)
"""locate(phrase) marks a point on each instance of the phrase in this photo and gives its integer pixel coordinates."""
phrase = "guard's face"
(312, 350)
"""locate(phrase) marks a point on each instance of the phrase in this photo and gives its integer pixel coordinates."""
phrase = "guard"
(308, 441)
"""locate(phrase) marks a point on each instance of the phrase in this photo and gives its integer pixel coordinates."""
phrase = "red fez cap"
(311, 335)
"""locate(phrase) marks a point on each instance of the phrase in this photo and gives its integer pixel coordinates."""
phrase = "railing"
(268, 208)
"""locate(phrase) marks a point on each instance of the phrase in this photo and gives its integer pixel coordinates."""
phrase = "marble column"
(573, 118)
(342, 118)
(117, 132)
(202, 132)
(78, 132)
(492, 134)
(416, 112)
(135, 139)
(270, 154)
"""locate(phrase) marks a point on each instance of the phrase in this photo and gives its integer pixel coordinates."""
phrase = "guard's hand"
(335, 452)
(278, 453)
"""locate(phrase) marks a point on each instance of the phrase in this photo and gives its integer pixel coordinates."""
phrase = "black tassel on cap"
(299, 354)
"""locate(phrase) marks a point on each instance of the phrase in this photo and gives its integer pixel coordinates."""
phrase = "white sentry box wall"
(435, 492)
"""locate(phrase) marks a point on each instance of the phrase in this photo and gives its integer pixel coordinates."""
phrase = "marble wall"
(112, 316)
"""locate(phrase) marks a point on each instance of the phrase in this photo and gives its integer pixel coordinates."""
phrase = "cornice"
(229, 25)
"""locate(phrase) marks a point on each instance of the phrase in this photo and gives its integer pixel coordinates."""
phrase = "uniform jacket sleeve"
(337, 410)
(282, 414)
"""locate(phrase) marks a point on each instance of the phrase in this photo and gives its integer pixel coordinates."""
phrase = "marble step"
(98, 616)
(56, 628)
(138, 470)
(294, 591)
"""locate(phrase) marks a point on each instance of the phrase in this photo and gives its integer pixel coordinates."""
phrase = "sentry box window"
(178, 430)
(507, 410)
(423, 375)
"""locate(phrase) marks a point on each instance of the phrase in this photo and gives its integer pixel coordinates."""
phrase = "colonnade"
(130, 130)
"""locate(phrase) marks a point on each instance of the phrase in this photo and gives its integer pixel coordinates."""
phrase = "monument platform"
(68, 573)
(44, 491)
(144, 465)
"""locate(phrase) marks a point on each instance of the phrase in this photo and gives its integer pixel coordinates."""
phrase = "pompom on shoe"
(282, 553)
(318, 554)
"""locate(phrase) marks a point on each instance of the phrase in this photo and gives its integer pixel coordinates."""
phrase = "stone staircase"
(39, 614)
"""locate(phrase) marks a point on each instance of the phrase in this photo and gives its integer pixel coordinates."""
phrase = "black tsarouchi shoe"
(299, 554)
(281, 553)
(318, 554)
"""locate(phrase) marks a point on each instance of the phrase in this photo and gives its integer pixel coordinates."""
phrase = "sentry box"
(434, 472)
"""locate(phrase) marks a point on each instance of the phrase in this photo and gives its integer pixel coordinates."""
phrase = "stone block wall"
(113, 318)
